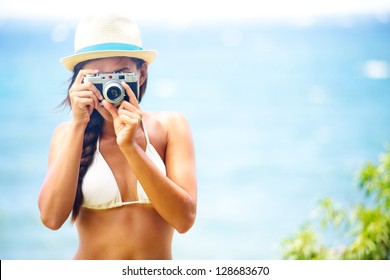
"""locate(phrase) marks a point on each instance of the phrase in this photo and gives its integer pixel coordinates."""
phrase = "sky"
(191, 11)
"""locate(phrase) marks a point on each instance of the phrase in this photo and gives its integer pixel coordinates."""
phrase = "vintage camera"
(110, 85)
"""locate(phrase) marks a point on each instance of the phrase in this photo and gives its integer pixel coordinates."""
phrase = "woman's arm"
(58, 191)
(173, 195)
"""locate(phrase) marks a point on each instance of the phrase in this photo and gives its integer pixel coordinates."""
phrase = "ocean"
(282, 114)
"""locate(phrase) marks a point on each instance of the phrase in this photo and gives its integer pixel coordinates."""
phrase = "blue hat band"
(110, 47)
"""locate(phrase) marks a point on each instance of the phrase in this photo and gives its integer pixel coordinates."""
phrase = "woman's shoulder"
(174, 124)
(61, 131)
(169, 119)
(63, 128)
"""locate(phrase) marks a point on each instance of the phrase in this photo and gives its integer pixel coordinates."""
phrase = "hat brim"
(71, 61)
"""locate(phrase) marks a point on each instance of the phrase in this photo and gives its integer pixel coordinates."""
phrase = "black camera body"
(110, 86)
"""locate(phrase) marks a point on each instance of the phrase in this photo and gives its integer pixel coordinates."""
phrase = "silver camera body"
(110, 85)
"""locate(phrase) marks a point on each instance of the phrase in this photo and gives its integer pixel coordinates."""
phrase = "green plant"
(365, 226)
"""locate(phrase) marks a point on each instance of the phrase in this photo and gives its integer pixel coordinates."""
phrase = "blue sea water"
(281, 114)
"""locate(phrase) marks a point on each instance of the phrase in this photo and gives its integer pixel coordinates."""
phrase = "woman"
(127, 176)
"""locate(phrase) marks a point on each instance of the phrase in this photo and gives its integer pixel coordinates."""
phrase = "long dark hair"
(91, 134)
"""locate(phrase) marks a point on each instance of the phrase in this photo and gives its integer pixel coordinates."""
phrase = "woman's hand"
(127, 118)
(84, 97)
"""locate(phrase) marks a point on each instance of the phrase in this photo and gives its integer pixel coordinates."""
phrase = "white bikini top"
(100, 189)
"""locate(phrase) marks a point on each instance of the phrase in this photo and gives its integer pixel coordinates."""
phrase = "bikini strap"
(97, 144)
(145, 132)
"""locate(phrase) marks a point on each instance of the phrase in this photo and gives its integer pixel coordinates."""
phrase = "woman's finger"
(135, 114)
(84, 103)
(82, 73)
(127, 106)
(86, 87)
(129, 120)
(130, 93)
(87, 94)
(94, 89)
(110, 108)
(128, 109)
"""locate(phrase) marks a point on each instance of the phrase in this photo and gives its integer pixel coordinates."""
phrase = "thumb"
(110, 108)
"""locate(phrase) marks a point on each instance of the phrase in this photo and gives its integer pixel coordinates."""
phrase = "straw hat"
(107, 36)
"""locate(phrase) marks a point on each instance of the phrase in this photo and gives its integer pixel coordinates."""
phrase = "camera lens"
(113, 93)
